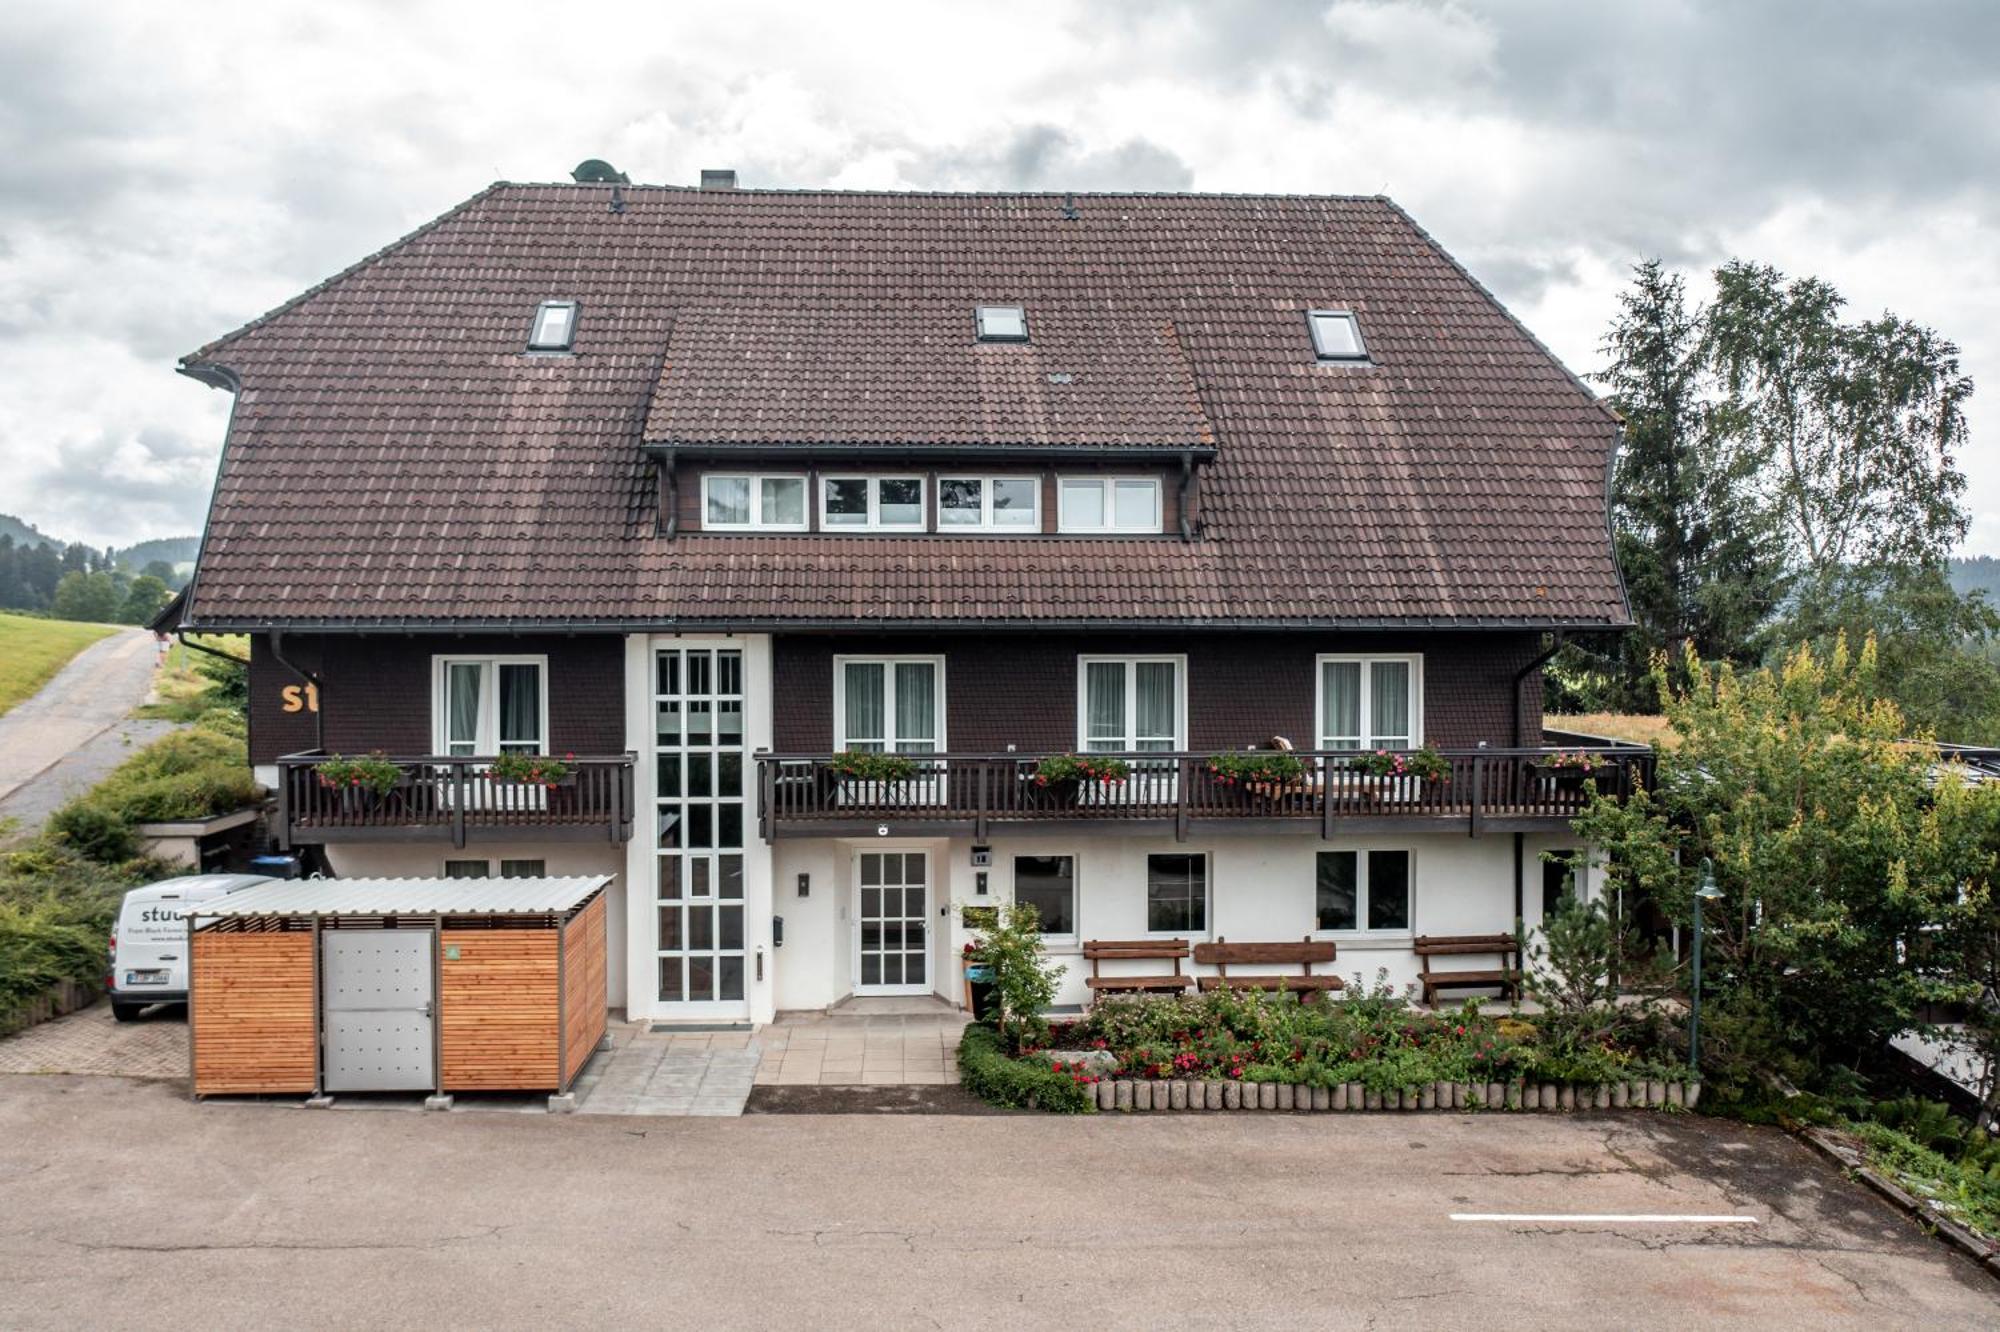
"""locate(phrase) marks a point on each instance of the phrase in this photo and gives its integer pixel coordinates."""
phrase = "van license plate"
(145, 978)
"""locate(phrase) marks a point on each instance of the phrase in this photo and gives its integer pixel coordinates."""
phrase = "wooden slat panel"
(253, 1013)
(584, 1002)
(1246, 954)
(497, 1002)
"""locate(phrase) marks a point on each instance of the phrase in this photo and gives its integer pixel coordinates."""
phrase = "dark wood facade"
(375, 691)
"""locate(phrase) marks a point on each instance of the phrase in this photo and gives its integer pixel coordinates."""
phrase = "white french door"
(892, 922)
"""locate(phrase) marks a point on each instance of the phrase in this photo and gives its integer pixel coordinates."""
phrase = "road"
(76, 728)
(124, 1205)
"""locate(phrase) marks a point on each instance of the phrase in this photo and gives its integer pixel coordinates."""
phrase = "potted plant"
(1060, 779)
(362, 781)
(1269, 773)
(865, 771)
(534, 770)
(1399, 773)
(1568, 770)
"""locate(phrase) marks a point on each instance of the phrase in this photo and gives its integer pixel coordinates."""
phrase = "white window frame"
(1320, 352)
(1072, 939)
(538, 341)
(488, 745)
(757, 521)
(1366, 660)
(1083, 664)
(888, 665)
(984, 334)
(1207, 897)
(987, 523)
(1361, 889)
(875, 523)
(1109, 486)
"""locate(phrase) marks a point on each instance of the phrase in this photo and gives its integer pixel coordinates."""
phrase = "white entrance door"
(893, 922)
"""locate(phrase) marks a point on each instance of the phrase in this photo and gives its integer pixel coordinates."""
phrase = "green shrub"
(1012, 947)
(986, 1070)
(191, 774)
(93, 832)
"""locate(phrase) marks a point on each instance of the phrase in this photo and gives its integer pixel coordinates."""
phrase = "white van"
(149, 944)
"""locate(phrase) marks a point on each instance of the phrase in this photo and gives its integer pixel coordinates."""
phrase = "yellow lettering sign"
(296, 698)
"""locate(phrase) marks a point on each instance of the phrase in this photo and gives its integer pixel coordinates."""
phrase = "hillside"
(25, 534)
(177, 551)
(1980, 573)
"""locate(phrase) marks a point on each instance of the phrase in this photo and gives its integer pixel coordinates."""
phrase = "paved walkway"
(76, 728)
(866, 1042)
(90, 1040)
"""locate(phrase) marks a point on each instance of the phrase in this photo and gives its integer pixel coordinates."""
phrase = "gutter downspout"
(319, 714)
(1187, 485)
(1555, 646)
(671, 474)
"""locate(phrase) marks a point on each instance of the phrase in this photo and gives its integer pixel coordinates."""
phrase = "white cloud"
(158, 186)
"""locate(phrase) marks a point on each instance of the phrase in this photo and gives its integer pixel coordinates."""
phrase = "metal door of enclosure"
(379, 1026)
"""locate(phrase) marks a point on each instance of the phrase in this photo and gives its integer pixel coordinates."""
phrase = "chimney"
(712, 179)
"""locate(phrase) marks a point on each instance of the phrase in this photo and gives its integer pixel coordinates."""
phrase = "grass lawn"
(32, 651)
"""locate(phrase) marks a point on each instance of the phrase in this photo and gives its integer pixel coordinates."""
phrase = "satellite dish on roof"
(597, 171)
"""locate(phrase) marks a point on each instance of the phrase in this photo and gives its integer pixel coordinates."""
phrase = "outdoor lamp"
(1706, 891)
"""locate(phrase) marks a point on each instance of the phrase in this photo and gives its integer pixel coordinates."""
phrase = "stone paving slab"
(90, 1040)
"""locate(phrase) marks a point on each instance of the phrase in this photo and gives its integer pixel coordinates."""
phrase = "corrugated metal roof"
(407, 897)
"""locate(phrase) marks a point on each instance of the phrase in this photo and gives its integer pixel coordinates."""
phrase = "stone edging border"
(1284, 1096)
(1982, 1252)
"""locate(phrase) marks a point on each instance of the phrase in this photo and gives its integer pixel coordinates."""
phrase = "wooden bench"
(1155, 950)
(1223, 955)
(1506, 977)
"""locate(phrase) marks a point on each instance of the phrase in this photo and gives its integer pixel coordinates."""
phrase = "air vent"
(712, 179)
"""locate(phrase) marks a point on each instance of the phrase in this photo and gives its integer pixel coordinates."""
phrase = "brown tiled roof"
(395, 457)
(909, 372)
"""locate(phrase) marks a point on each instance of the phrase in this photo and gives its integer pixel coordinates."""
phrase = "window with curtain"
(1362, 890)
(1370, 702)
(1108, 504)
(491, 705)
(890, 703)
(753, 502)
(1131, 704)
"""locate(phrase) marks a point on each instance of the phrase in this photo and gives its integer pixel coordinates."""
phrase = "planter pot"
(1060, 794)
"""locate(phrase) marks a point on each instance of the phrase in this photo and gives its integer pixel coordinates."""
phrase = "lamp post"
(1706, 891)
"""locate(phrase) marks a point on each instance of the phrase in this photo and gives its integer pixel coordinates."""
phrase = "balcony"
(456, 800)
(1486, 790)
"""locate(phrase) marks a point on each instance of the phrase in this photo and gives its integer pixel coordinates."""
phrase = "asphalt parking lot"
(122, 1204)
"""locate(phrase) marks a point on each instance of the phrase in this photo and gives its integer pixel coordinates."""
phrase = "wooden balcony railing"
(1484, 790)
(439, 797)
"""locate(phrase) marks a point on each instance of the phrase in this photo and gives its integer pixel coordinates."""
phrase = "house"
(694, 490)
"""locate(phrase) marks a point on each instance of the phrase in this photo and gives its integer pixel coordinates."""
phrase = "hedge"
(988, 1072)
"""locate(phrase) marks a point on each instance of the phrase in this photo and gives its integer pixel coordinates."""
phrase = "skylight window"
(1002, 323)
(554, 328)
(1336, 335)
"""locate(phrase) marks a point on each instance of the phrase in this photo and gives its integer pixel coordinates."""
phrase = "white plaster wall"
(425, 860)
(1260, 889)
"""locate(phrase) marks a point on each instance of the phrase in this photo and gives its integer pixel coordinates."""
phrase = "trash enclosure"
(356, 985)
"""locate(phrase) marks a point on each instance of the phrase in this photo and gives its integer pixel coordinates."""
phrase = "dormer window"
(1002, 323)
(1336, 335)
(554, 328)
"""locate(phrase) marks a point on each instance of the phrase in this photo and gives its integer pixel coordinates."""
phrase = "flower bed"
(1252, 1050)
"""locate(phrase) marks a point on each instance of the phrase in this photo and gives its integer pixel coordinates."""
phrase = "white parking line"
(1609, 1218)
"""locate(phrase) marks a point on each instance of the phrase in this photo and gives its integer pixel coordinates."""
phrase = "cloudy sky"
(167, 172)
